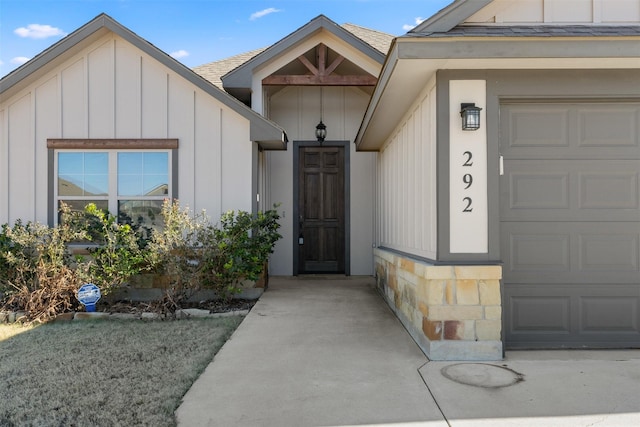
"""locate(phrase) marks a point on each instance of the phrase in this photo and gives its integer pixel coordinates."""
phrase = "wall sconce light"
(470, 116)
(321, 131)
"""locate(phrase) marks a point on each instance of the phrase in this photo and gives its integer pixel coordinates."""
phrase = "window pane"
(96, 163)
(155, 163)
(143, 174)
(129, 163)
(70, 163)
(143, 215)
(83, 174)
(156, 185)
(78, 206)
(130, 185)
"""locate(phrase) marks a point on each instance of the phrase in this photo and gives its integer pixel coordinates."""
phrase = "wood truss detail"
(320, 75)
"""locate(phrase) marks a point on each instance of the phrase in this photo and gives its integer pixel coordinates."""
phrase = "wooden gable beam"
(320, 75)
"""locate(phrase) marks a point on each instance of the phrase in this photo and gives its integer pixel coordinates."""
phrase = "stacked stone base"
(452, 312)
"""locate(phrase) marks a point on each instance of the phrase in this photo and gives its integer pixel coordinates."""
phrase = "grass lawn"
(104, 372)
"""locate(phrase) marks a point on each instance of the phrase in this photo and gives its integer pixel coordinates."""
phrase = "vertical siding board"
(47, 125)
(74, 100)
(128, 91)
(21, 172)
(411, 179)
(4, 165)
(181, 119)
(155, 99)
(100, 96)
(207, 158)
(419, 192)
(431, 157)
(237, 152)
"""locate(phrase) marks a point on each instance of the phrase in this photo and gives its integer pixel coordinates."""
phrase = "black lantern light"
(470, 116)
(321, 131)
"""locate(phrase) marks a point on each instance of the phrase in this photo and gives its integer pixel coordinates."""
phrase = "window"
(131, 183)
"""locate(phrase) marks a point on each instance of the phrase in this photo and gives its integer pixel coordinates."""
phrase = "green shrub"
(194, 254)
(118, 254)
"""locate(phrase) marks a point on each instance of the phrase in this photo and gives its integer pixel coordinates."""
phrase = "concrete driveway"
(320, 351)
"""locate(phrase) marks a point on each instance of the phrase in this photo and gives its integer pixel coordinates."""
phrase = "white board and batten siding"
(110, 89)
(297, 109)
(509, 12)
(406, 182)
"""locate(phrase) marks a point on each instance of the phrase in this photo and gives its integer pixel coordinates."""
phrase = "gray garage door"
(570, 224)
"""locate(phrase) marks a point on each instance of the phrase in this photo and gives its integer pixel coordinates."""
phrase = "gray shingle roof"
(376, 39)
(536, 31)
(213, 71)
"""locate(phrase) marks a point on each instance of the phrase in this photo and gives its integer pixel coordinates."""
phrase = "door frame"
(347, 197)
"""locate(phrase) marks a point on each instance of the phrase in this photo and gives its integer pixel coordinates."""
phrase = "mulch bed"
(213, 306)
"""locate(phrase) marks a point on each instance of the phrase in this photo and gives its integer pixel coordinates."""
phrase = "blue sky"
(194, 31)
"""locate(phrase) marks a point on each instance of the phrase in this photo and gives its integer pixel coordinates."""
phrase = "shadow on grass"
(104, 372)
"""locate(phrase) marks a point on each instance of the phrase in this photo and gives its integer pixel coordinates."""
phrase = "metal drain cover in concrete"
(482, 375)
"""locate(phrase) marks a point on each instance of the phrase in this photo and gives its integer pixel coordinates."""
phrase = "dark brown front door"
(321, 213)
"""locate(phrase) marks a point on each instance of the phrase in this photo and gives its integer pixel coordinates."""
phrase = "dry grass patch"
(104, 372)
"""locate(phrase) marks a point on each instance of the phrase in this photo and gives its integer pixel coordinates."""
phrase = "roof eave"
(450, 16)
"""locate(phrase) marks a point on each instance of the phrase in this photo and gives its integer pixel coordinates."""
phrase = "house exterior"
(103, 116)
(525, 232)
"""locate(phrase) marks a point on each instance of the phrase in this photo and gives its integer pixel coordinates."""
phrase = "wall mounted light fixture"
(470, 116)
(321, 131)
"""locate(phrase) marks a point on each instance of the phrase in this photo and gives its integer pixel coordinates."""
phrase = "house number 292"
(467, 179)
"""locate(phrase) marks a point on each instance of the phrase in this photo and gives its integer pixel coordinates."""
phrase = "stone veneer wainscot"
(452, 312)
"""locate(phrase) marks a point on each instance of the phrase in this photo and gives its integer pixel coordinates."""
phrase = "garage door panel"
(612, 190)
(586, 130)
(570, 190)
(585, 252)
(608, 125)
(565, 316)
(540, 314)
(535, 126)
(609, 313)
(612, 251)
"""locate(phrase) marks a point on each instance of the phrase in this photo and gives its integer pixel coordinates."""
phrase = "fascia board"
(383, 80)
(519, 47)
(450, 16)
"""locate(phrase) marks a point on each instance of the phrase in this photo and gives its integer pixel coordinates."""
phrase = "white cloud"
(262, 13)
(179, 53)
(19, 60)
(37, 31)
(408, 27)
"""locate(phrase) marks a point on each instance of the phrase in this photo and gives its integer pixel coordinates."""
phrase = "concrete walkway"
(316, 352)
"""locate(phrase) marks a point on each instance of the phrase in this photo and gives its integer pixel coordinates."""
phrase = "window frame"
(112, 147)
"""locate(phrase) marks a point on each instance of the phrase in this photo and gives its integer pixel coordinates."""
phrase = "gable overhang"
(267, 134)
(240, 81)
(450, 16)
(413, 61)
